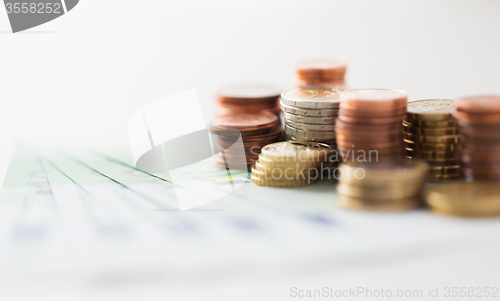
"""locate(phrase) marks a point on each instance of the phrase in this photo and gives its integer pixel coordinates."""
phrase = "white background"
(76, 80)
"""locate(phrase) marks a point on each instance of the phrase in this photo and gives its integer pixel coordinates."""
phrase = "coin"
(430, 154)
(381, 173)
(430, 123)
(283, 184)
(320, 71)
(381, 206)
(306, 134)
(363, 130)
(431, 131)
(409, 137)
(431, 146)
(311, 127)
(479, 199)
(487, 104)
(362, 98)
(431, 110)
(297, 152)
(248, 91)
(313, 97)
(309, 112)
(379, 192)
(364, 113)
(441, 162)
(468, 118)
(371, 121)
(308, 119)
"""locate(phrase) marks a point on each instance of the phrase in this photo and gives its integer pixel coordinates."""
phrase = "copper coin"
(339, 124)
(479, 104)
(248, 121)
(483, 131)
(370, 113)
(371, 121)
(320, 64)
(467, 118)
(249, 91)
(382, 137)
(374, 97)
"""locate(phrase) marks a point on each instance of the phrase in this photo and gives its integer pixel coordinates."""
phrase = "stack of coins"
(309, 114)
(315, 72)
(431, 133)
(248, 98)
(385, 186)
(370, 125)
(290, 164)
(479, 121)
(256, 130)
(480, 199)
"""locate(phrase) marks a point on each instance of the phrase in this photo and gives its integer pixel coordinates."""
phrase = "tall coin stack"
(370, 125)
(256, 130)
(248, 98)
(315, 72)
(479, 121)
(386, 186)
(290, 164)
(431, 133)
(310, 113)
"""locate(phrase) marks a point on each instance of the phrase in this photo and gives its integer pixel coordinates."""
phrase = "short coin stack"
(480, 199)
(256, 131)
(320, 71)
(385, 186)
(479, 121)
(290, 164)
(370, 125)
(248, 98)
(431, 133)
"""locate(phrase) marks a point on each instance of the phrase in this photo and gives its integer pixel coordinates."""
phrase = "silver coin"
(313, 97)
(313, 136)
(330, 142)
(308, 119)
(309, 112)
(311, 127)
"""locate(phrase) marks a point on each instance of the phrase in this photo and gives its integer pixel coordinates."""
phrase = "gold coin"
(430, 131)
(430, 154)
(380, 205)
(441, 162)
(271, 183)
(431, 109)
(298, 152)
(381, 192)
(430, 139)
(268, 163)
(380, 173)
(431, 146)
(477, 199)
(277, 173)
(430, 123)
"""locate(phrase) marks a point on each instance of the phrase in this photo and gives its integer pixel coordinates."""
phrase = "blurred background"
(77, 80)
